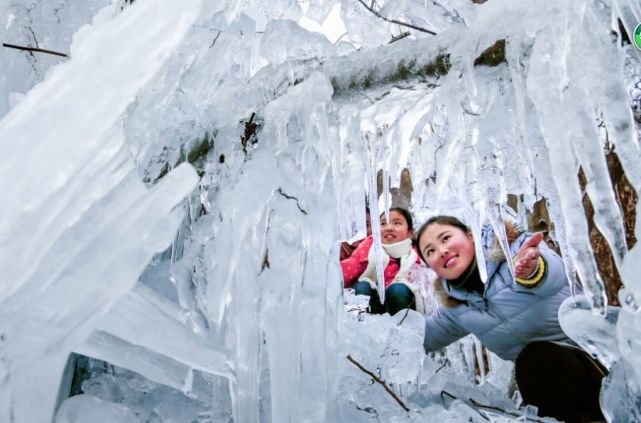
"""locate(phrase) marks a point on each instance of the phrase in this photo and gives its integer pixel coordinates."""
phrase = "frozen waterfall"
(173, 193)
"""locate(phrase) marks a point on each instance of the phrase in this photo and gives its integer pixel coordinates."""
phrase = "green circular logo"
(637, 36)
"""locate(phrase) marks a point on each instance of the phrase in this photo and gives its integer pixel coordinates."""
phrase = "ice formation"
(240, 313)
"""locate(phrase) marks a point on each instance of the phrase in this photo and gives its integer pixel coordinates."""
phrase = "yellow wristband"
(536, 278)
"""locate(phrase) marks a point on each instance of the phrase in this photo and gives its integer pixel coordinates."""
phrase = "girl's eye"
(428, 253)
(445, 238)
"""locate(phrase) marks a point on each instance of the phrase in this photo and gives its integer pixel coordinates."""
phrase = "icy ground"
(442, 387)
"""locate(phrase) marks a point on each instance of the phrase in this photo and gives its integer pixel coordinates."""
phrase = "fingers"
(533, 241)
(528, 256)
(524, 270)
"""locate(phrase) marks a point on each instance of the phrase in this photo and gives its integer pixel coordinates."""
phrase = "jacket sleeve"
(441, 331)
(554, 279)
(355, 265)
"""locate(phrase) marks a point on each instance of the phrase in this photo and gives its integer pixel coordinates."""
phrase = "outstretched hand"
(528, 256)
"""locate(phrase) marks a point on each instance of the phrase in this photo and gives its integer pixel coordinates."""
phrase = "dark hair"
(443, 220)
(406, 214)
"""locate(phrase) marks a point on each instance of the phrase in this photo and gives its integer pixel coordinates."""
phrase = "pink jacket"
(355, 265)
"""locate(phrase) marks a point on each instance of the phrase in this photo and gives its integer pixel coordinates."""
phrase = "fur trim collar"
(494, 253)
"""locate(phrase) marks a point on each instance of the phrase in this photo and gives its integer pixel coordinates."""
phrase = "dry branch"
(35, 49)
(394, 21)
(377, 379)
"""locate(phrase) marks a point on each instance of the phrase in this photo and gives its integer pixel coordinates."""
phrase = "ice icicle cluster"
(87, 408)
(288, 133)
(78, 226)
(595, 334)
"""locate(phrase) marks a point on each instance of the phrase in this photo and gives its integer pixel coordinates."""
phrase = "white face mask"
(398, 249)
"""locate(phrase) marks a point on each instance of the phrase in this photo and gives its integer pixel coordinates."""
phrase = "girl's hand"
(528, 256)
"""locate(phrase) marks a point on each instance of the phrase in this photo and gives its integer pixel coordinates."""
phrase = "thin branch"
(39, 50)
(33, 34)
(339, 38)
(394, 21)
(407, 311)
(491, 407)
(499, 409)
(291, 197)
(443, 366)
(472, 407)
(399, 37)
(215, 39)
(377, 379)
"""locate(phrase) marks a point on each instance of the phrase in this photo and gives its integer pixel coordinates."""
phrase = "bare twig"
(443, 366)
(339, 38)
(491, 407)
(472, 407)
(215, 39)
(394, 21)
(291, 197)
(39, 50)
(499, 409)
(250, 126)
(407, 311)
(399, 37)
(448, 394)
(377, 379)
(33, 34)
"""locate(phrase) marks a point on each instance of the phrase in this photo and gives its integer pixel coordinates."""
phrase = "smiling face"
(447, 250)
(398, 229)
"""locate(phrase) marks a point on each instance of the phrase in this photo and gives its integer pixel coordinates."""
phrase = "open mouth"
(450, 261)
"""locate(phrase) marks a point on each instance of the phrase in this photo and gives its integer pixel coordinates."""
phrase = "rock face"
(539, 220)
(627, 198)
(401, 195)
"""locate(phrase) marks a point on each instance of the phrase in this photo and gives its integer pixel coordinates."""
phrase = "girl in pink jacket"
(399, 257)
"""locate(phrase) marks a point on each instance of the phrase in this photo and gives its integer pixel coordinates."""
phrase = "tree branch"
(339, 38)
(472, 407)
(443, 366)
(394, 21)
(39, 50)
(499, 409)
(399, 37)
(377, 379)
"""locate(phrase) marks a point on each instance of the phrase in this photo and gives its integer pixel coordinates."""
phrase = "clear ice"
(172, 195)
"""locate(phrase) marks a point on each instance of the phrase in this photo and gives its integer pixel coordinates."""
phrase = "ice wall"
(78, 226)
(287, 132)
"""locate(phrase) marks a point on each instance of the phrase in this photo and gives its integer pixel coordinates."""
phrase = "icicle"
(480, 359)
(371, 143)
(348, 168)
(386, 195)
(562, 158)
(497, 221)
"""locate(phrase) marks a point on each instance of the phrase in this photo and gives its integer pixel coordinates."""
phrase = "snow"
(225, 299)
